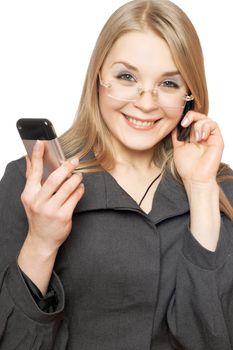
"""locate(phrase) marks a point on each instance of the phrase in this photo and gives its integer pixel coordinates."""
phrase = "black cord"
(149, 188)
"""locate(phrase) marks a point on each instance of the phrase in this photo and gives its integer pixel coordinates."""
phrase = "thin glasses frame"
(140, 91)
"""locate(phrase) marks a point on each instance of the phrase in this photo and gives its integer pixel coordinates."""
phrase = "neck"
(141, 161)
(137, 167)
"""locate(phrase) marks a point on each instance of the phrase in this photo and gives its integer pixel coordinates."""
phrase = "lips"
(144, 124)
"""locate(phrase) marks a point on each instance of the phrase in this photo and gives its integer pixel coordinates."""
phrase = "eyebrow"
(129, 66)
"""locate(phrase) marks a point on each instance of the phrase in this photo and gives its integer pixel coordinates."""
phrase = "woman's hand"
(49, 208)
(198, 160)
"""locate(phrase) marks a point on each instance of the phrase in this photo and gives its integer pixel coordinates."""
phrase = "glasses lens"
(169, 97)
(123, 91)
(176, 99)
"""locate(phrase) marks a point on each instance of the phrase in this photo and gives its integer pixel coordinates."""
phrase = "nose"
(146, 101)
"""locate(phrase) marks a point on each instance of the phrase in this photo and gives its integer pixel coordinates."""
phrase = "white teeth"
(138, 122)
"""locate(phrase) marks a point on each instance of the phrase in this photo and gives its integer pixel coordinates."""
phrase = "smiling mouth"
(140, 123)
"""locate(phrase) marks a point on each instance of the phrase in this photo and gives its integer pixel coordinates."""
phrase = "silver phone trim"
(53, 154)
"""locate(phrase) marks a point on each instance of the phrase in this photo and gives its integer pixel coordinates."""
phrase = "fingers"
(203, 130)
(49, 207)
(57, 178)
(28, 166)
(60, 179)
(66, 190)
(35, 166)
(202, 127)
(74, 198)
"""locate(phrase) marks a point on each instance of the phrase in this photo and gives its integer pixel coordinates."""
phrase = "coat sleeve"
(23, 325)
(200, 314)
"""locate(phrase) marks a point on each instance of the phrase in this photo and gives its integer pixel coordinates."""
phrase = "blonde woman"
(128, 245)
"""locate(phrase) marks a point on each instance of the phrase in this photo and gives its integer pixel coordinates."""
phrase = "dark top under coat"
(124, 280)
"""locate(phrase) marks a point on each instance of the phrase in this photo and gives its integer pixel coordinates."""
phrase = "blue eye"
(126, 77)
(169, 84)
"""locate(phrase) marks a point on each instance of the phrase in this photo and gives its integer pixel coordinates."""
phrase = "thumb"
(28, 166)
(36, 164)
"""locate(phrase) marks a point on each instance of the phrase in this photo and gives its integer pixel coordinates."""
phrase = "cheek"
(107, 111)
(102, 101)
(174, 116)
(108, 105)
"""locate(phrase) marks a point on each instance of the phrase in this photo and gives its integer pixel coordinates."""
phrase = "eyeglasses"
(168, 93)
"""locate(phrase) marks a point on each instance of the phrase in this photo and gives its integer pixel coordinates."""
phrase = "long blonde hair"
(89, 133)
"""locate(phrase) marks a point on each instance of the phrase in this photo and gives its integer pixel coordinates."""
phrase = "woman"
(141, 257)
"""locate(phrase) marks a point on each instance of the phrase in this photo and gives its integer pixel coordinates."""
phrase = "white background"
(45, 49)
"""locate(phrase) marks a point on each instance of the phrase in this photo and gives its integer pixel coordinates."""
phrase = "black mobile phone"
(33, 129)
(184, 133)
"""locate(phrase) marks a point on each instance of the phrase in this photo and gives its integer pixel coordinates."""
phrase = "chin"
(139, 147)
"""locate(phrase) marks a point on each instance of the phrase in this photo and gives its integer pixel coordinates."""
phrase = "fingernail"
(203, 134)
(37, 145)
(184, 121)
(75, 162)
(80, 175)
(197, 136)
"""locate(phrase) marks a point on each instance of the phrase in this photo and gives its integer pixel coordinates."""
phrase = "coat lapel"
(170, 199)
(103, 192)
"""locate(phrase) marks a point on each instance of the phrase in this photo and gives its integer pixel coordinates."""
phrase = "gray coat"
(125, 280)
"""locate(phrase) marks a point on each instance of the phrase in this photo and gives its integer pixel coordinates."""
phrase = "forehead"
(144, 50)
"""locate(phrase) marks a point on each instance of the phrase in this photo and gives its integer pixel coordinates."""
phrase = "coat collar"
(103, 192)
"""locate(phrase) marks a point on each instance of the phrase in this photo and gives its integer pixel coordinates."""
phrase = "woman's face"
(139, 123)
